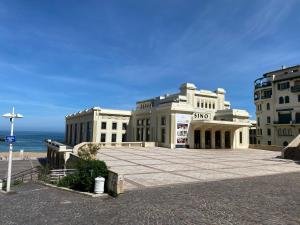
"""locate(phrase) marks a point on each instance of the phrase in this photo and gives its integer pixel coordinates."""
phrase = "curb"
(74, 191)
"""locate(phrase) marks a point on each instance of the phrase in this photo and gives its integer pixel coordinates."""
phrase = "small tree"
(88, 151)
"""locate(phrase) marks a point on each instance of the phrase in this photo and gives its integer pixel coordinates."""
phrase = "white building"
(277, 100)
(97, 125)
(190, 118)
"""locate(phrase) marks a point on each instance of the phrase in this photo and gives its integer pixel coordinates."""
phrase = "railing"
(265, 97)
(295, 88)
(24, 174)
(284, 122)
(56, 175)
(263, 84)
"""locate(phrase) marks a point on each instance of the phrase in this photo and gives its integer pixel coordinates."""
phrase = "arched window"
(268, 106)
(281, 100)
(287, 99)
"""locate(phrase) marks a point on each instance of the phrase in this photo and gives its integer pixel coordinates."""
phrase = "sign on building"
(202, 116)
(182, 127)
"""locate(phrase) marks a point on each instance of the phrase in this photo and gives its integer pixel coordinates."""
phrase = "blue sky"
(58, 57)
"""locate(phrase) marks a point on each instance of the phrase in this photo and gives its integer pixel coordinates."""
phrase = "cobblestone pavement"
(152, 167)
(273, 199)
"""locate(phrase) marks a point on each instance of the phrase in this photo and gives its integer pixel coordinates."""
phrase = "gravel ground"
(271, 199)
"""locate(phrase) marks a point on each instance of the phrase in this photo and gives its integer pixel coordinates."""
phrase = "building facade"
(277, 101)
(97, 125)
(190, 118)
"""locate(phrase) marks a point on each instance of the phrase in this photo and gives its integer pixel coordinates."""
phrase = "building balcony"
(262, 82)
(266, 97)
(286, 123)
(295, 88)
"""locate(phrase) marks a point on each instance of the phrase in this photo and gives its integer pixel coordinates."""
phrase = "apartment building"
(277, 101)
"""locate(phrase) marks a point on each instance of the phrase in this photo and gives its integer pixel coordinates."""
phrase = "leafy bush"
(84, 178)
(44, 170)
(88, 151)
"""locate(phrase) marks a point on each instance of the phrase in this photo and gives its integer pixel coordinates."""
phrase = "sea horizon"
(30, 141)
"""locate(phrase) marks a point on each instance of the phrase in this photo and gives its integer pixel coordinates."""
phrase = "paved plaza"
(273, 199)
(145, 167)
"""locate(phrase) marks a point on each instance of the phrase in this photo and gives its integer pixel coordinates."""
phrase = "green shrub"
(84, 178)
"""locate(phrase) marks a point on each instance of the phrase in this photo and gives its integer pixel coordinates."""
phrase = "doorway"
(207, 139)
(227, 139)
(218, 139)
(197, 139)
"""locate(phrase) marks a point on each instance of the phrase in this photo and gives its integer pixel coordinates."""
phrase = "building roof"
(102, 111)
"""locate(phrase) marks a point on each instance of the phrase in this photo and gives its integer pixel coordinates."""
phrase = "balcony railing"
(284, 122)
(263, 84)
(265, 97)
(295, 88)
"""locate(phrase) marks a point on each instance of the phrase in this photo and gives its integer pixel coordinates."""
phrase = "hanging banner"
(182, 127)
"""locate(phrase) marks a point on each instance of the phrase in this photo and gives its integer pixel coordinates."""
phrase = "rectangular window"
(71, 134)
(284, 118)
(113, 137)
(258, 122)
(283, 86)
(67, 134)
(103, 125)
(147, 134)
(298, 98)
(75, 134)
(148, 121)
(241, 137)
(202, 104)
(88, 132)
(297, 117)
(103, 137)
(268, 119)
(163, 120)
(269, 143)
(124, 138)
(163, 135)
(269, 132)
(138, 135)
(114, 126)
(198, 104)
(124, 126)
(81, 133)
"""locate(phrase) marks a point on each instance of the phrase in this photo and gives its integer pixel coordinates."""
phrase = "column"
(202, 133)
(222, 139)
(213, 138)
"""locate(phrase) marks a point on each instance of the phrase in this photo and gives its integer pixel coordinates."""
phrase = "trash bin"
(99, 185)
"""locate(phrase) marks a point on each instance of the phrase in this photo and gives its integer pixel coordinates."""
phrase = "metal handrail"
(23, 173)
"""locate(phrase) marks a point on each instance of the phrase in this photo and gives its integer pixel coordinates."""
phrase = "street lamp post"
(11, 117)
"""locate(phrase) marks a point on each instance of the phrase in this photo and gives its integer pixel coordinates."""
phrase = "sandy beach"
(25, 155)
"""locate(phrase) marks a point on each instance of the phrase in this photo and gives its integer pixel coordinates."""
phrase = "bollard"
(99, 185)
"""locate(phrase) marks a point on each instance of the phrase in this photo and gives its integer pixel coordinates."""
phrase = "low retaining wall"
(266, 147)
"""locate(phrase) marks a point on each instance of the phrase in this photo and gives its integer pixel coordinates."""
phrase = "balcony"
(295, 88)
(286, 123)
(262, 82)
(266, 97)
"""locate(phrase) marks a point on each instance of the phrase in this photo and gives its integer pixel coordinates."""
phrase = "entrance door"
(227, 139)
(197, 139)
(218, 139)
(207, 139)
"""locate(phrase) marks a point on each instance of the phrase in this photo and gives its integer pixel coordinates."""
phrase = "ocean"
(32, 141)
